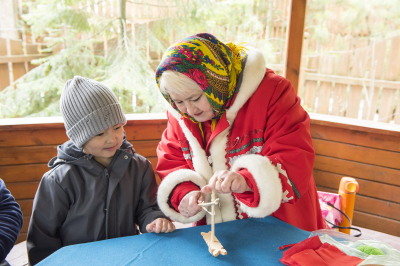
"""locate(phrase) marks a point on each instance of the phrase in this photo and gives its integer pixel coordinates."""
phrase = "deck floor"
(17, 256)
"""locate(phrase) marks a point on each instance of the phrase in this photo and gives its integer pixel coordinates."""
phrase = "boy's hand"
(160, 225)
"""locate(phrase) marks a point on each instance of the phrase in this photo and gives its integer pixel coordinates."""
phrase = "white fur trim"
(166, 188)
(199, 158)
(173, 112)
(268, 183)
(217, 150)
(227, 201)
(253, 74)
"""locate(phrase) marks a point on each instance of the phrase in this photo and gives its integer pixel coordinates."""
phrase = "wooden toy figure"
(214, 246)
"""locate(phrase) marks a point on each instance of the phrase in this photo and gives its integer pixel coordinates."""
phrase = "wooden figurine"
(214, 246)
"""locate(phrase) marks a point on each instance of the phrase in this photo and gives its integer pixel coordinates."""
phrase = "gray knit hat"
(88, 107)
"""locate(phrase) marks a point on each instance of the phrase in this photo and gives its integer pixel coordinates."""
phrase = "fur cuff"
(268, 183)
(167, 186)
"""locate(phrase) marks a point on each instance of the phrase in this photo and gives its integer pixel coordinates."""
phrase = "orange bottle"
(347, 191)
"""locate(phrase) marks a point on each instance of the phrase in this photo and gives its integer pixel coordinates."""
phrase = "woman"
(235, 128)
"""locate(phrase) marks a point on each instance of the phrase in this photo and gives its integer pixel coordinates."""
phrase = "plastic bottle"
(347, 191)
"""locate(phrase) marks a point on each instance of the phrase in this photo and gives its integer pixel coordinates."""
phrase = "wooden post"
(303, 65)
(4, 71)
(294, 41)
(122, 21)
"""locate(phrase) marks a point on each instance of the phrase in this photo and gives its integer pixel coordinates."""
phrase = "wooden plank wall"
(371, 155)
(26, 149)
(346, 147)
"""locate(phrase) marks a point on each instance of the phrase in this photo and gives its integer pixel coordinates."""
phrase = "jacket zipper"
(105, 205)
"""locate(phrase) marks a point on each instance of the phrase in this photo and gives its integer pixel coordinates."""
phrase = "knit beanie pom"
(88, 107)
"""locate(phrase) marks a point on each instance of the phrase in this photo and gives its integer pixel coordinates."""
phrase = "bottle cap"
(348, 185)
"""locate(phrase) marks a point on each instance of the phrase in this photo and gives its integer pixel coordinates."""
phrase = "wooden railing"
(19, 57)
(344, 147)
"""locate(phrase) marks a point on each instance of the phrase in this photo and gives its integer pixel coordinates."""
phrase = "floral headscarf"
(213, 65)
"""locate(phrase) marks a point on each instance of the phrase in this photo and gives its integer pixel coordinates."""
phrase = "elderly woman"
(236, 128)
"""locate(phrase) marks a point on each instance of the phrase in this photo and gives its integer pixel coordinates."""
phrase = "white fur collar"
(253, 74)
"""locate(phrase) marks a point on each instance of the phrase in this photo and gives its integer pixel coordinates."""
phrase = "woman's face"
(194, 103)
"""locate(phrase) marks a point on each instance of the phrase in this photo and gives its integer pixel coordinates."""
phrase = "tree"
(141, 30)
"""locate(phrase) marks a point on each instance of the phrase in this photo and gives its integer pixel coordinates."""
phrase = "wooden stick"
(212, 217)
(215, 202)
(214, 246)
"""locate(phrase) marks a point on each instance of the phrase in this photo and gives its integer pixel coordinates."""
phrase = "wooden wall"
(371, 155)
(369, 152)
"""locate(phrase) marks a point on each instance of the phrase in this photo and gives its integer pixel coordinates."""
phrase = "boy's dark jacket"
(10, 222)
(80, 201)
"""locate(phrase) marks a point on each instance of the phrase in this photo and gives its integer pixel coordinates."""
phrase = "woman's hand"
(188, 206)
(160, 225)
(224, 182)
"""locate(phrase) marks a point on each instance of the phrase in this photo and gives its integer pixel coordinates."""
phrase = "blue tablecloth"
(248, 242)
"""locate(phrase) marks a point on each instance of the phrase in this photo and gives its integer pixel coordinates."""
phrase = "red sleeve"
(180, 191)
(250, 198)
(288, 141)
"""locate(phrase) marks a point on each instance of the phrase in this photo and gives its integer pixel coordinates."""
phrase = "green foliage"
(75, 35)
(51, 16)
(125, 67)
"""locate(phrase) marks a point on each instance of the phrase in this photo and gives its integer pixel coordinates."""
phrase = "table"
(248, 242)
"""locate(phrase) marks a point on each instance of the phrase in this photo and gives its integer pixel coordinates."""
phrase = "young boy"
(98, 187)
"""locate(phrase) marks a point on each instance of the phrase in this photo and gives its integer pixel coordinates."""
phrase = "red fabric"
(280, 129)
(308, 257)
(309, 243)
(312, 252)
(181, 191)
(335, 257)
(250, 198)
(206, 126)
(286, 246)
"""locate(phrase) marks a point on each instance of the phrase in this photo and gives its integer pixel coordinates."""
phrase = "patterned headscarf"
(213, 65)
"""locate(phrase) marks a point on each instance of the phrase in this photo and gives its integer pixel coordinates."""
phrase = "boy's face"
(104, 145)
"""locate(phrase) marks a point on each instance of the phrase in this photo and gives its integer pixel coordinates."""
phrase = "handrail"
(352, 80)
(161, 118)
(355, 124)
(21, 58)
(57, 121)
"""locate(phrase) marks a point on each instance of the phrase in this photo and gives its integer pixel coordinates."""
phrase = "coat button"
(126, 156)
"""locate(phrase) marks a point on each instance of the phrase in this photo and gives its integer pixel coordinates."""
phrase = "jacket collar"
(253, 74)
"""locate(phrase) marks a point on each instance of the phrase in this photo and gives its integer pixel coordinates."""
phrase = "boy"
(98, 187)
(10, 222)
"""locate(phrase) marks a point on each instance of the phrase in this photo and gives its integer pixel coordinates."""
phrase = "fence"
(15, 60)
(362, 83)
